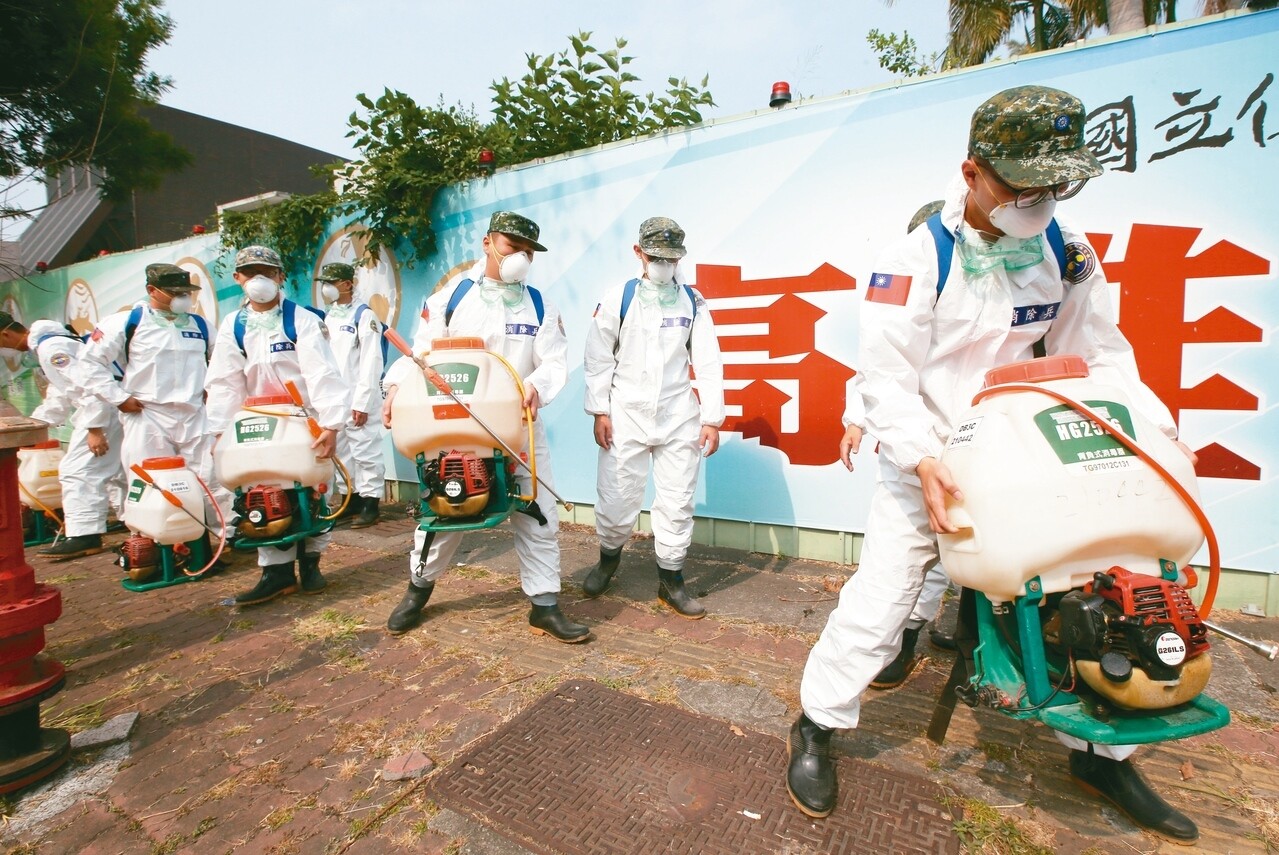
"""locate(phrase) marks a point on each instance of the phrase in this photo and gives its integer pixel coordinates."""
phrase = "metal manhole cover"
(587, 771)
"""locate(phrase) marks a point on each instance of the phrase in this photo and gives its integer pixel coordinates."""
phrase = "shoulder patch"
(1080, 262)
(61, 360)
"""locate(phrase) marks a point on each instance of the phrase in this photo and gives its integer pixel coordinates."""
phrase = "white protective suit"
(920, 365)
(935, 579)
(164, 368)
(89, 483)
(537, 352)
(637, 375)
(269, 361)
(358, 353)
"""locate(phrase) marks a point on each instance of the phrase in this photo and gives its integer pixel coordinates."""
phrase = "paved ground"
(267, 729)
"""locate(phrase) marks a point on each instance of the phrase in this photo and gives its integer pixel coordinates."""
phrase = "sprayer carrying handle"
(146, 476)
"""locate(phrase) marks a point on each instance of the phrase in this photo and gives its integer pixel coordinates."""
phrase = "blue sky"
(292, 68)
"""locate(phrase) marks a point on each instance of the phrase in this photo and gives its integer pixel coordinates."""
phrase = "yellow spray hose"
(528, 420)
(48, 511)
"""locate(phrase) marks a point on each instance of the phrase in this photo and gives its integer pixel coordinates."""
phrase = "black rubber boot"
(896, 672)
(277, 579)
(352, 507)
(408, 613)
(313, 581)
(671, 593)
(368, 512)
(601, 575)
(74, 547)
(940, 639)
(810, 770)
(549, 620)
(1119, 782)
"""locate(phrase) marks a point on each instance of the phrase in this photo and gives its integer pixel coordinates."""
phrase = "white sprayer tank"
(426, 420)
(268, 444)
(1048, 493)
(147, 511)
(38, 475)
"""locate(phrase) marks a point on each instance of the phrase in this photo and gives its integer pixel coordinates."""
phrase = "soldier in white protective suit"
(90, 474)
(149, 363)
(516, 322)
(924, 353)
(355, 334)
(644, 337)
(269, 343)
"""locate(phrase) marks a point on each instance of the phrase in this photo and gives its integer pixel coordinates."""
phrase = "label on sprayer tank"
(256, 429)
(1082, 445)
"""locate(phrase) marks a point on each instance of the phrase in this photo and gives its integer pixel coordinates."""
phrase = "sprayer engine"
(1136, 640)
(459, 484)
(265, 512)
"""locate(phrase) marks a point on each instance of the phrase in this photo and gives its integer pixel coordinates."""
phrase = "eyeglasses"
(1032, 196)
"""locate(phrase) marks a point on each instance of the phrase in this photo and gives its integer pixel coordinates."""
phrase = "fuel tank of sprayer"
(425, 420)
(1048, 493)
(269, 445)
(147, 511)
(38, 475)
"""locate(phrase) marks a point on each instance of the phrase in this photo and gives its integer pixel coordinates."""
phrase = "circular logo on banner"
(206, 299)
(377, 282)
(1170, 648)
(11, 306)
(81, 309)
(1080, 262)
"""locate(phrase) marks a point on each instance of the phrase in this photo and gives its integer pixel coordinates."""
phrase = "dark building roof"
(229, 163)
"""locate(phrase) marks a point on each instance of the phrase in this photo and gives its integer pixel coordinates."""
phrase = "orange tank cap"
(267, 400)
(163, 463)
(1065, 367)
(465, 342)
(40, 446)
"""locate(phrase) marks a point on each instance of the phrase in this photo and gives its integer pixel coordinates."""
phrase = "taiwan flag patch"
(426, 312)
(888, 288)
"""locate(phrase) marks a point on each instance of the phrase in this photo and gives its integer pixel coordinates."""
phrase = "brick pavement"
(264, 730)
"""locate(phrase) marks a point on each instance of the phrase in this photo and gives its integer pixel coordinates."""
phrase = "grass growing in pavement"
(328, 626)
(985, 830)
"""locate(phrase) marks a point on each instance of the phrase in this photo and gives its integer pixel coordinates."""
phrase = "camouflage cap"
(661, 237)
(921, 216)
(517, 225)
(336, 272)
(170, 277)
(263, 255)
(1033, 136)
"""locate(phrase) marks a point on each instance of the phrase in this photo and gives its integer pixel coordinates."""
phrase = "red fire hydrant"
(28, 752)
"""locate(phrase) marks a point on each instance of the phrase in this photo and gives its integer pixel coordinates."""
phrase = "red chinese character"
(1152, 308)
(790, 322)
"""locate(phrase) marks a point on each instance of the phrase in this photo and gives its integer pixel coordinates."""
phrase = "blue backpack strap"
(359, 313)
(238, 328)
(945, 243)
(288, 312)
(692, 298)
(628, 294)
(130, 327)
(536, 296)
(1058, 245)
(455, 298)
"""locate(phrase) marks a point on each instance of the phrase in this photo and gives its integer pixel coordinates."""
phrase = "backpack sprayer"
(1073, 552)
(40, 492)
(165, 515)
(459, 419)
(267, 458)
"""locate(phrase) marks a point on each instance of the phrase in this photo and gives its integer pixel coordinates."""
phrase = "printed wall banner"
(786, 212)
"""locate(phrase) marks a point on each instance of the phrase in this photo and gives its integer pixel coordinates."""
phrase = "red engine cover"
(467, 468)
(1153, 600)
(272, 501)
